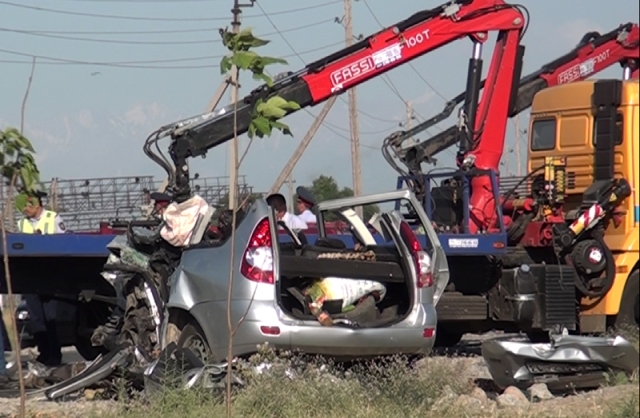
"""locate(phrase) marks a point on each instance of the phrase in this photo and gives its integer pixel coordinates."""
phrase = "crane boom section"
(594, 53)
(399, 44)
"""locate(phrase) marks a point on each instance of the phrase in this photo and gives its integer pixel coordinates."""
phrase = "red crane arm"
(595, 57)
(418, 35)
(411, 39)
(594, 53)
(493, 111)
(399, 44)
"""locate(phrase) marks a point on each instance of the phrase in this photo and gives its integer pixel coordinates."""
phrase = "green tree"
(264, 120)
(20, 172)
(18, 165)
(266, 113)
(326, 188)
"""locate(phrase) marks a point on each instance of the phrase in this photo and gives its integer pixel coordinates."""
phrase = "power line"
(410, 64)
(164, 19)
(279, 32)
(159, 32)
(137, 64)
(142, 1)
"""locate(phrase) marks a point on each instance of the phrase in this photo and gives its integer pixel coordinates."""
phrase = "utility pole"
(517, 146)
(231, 79)
(302, 146)
(353, 114)
(409, 122)
(233, 148)
(290, 182)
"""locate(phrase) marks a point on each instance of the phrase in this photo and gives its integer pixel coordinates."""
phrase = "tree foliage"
(326, 188)
(17, 159)
(266, 113)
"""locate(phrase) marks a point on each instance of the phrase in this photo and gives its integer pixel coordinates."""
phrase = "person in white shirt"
(279, 204)
(305, 203)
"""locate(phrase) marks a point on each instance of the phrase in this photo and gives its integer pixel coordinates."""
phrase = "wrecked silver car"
(274, 275)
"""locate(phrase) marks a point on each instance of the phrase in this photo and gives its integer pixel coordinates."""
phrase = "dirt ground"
(483, 401)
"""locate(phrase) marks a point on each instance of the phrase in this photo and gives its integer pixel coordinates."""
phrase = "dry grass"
(379, 389)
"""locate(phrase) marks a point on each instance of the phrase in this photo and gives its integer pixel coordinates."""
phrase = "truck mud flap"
(100, 369)
(567, 363)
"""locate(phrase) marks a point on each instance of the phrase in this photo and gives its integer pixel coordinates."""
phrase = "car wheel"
(538, 337)
(628, 316)
(447, 339)
(192, 337)
(87, 350)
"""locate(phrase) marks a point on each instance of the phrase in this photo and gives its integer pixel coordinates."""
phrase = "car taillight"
(421, 260)
(257, 261)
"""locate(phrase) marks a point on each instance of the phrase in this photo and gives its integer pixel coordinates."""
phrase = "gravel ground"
(485, 400)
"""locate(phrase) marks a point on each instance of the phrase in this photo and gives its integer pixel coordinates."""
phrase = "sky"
(109, 72)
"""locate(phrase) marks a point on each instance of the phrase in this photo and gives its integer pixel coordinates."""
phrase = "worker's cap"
(305, 196)
(160, 197)
(35, 195)
(275, 196)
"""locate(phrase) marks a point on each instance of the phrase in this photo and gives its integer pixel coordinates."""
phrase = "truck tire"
(630, 303)
(193, 338)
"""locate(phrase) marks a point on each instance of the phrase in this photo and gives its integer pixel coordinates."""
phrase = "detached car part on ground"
(272, 273)
(568, 362)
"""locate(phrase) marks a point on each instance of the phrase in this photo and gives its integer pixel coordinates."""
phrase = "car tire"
(86, 349)
(538, 337)
(630, 303)
(447, 339)
(193, 338)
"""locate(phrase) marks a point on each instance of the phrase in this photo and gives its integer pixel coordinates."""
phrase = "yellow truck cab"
(564, 124)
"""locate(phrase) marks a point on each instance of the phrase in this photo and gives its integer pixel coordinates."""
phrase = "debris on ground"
(566, 363)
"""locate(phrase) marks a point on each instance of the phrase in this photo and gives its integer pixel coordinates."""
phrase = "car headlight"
(23, 315)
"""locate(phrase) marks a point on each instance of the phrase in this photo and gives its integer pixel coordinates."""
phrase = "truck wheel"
(193, 338)
(630, 303)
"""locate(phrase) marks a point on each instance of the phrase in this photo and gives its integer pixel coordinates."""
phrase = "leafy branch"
(17, 161)
(264, 119)
(266, 113)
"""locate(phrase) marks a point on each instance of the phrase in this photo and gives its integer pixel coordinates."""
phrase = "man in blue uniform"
(305, 204)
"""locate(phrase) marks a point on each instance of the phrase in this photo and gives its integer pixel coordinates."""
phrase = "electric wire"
(410, 64)
(139, 64)
(279, 32)
(299, 57)
(60, 34)
(161, 19)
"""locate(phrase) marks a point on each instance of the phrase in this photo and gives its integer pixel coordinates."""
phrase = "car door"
(439, 267)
